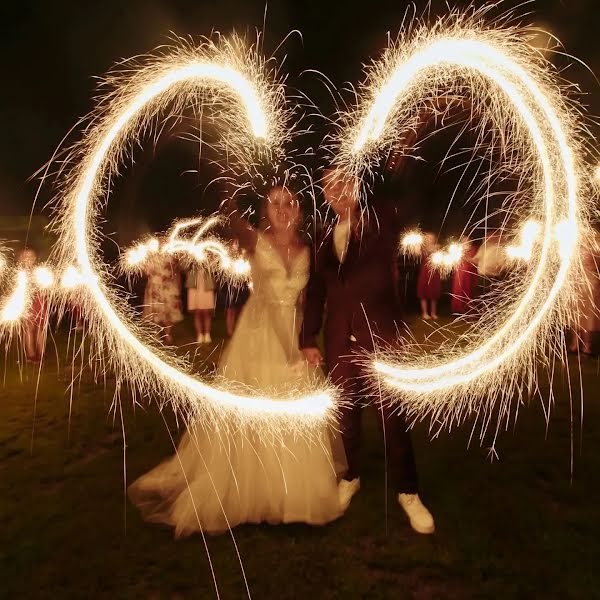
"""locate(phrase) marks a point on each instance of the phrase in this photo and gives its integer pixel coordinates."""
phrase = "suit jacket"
(358, 297)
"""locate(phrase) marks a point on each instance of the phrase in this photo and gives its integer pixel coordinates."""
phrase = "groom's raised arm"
(314, 305)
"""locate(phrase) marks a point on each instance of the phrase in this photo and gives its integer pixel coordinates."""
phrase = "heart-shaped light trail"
(248, 106)
(513, 91)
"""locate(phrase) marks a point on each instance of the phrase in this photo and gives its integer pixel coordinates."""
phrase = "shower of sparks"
(211, 252)
(43, 277)
(445, 261)
(528, 237)
(540, 138)
(25, 283)
(243, 98)
(16, 304)
(71, 278)
(136, 256)
(411, 243)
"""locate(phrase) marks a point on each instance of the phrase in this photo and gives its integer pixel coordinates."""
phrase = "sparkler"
(210, 251)
(136, 256)
(41, 280)
(43, 277)
(16, 304)
(445, 261)
(412, 243)
(515, 91)
(247, 105)
(71, 278)
(530, 234)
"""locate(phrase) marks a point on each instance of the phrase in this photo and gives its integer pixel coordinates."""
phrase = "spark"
(444, 261)
(515, 91)
(214, 254)
(71, 278)
(138, 254)
(411, 243)
(43, 277)
(247, 105)
(16, 304)
(529, 235)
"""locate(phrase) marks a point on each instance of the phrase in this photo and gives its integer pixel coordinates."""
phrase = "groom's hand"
(313, 356)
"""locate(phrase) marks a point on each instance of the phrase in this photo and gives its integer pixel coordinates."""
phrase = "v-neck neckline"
(287, 267)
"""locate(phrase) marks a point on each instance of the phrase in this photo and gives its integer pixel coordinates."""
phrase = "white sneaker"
(207, 338)
(347, 489)
(420, 518)
(200, 338)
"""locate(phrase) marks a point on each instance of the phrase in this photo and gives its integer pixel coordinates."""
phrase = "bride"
(212, 484)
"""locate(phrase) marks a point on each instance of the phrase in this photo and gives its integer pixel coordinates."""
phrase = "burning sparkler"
(514, 90)
(16, 304)
(43, 277)
(528, 237)
(445, 261)
(411, 243)
(214, 254)
(247, 105)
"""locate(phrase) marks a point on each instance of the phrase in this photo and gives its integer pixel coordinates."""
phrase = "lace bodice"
(272, 282)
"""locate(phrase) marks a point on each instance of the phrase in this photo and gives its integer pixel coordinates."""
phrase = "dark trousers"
(351, 378)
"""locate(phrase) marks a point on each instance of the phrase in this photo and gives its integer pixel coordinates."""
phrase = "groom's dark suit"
(359, 301)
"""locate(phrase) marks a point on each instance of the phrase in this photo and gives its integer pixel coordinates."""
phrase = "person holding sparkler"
(35, 323)
(353, 281)
(162, 295)
(201, 301)
(219, 479)
(429, 283)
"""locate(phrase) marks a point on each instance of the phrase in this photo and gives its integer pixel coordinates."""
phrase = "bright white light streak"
(43, 277)
(16, 304)
(536, 110)
(411, 243)
(186, 390)
(528, 237)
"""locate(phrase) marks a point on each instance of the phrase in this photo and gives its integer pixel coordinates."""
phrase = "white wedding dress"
(215, 482)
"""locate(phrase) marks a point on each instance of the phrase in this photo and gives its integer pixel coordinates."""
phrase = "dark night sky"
(53, 50)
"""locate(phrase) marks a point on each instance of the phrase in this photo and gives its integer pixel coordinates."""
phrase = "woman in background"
(162, 296)
(201, 302)
(429, 283)
(35, 322)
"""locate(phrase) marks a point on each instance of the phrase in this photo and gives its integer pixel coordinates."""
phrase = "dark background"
(52, 52)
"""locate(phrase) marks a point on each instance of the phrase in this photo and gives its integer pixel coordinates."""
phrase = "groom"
(353, 280)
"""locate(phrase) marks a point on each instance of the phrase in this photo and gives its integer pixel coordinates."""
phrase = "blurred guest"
(201, 301)
(464, 279)
(429, 284)
(588, 318)
(162, 296)
(35, 322)
(490, 259)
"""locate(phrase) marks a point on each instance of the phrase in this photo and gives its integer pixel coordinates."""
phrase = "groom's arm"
(314, 306)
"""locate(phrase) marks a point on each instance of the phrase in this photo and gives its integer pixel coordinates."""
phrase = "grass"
(516, 527)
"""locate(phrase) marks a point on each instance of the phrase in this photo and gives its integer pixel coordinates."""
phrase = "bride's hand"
(313, 356)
